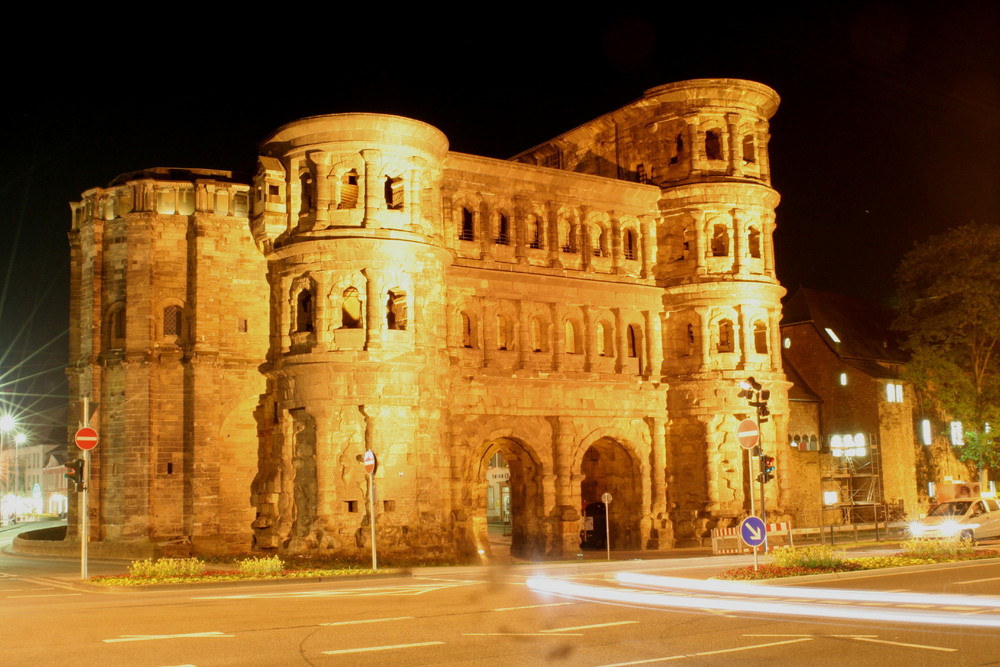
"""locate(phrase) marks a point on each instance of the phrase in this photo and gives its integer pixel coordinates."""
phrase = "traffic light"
(74, 472)
(766, 469)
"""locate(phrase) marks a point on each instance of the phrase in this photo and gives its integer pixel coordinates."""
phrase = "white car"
(972, 518)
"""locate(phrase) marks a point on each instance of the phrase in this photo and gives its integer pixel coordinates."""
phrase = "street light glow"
(7, 423)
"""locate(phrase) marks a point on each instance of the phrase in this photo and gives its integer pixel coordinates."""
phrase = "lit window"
(833, 336)
(931, 490)
(787, 343)
(956, 434)
(925, 431)
(843, 379)
(829, 497)
(894, 392)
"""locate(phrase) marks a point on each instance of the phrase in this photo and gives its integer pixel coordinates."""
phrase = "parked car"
(971, 518)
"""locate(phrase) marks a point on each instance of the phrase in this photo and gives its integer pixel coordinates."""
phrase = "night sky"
(888, 129)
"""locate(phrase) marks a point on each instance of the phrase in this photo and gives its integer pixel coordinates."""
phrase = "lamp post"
(7, 423)
(19, 440)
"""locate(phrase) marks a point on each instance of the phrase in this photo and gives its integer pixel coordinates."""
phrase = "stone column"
(373, 189)
(700, 245)
(524, 348)
(616, 246)
(552, 233)
(557, 337)
(481, 222)
(735, 154)
(414, 187)
(654, 345)
(374, 313)
(647, 230)
(520, 233)
(324, 192)
(774, 334)
(767, 242)
(763, 159)
(588, 338)
(739, 245)
(621, 348)
(706, 336)
(695, 145)
(567, 501)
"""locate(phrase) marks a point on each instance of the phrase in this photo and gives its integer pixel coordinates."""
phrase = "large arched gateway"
(608, 467)
(521, 497)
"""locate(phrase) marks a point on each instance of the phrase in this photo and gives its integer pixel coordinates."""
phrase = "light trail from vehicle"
(756, 606)
(735, 587)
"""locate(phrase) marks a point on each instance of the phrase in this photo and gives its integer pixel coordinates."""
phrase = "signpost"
(606, 499)
(371, 465)
(753, 532)
(86, 439)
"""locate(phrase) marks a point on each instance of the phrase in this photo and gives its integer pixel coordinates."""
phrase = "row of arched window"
(570, 241)
(713, 147)
(171, 328)
(502, 336)
(352, 310)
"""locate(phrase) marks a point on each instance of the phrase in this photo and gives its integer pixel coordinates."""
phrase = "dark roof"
(862, 326)
(800, 389)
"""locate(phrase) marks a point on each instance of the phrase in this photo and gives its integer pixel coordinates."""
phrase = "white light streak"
(380, 648)
(756, 606)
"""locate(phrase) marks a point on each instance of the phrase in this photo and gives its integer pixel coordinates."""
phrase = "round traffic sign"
(371, 463)
(752, 531)
(748, 434)
(606, 498)
(86, 438)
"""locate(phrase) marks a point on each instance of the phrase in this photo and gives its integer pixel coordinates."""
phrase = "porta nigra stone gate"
(584, 309)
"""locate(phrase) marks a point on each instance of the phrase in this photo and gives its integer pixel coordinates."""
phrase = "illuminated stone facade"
(584, 309)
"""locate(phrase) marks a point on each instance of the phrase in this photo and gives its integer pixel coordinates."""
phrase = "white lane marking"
(588, 627)
(371, 620)
(886, 641)
(978, 581)
(351, 592)
(380, 648)
(692, 655)
(145, 638)
(45, 595)
(533, 606)
(520, 634)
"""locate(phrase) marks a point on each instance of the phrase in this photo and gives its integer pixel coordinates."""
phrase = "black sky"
(888, 130)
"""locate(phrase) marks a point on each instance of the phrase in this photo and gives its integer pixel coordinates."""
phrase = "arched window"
(172, 321)
(572, 344)
(632, 341)
(537, 335)
(713, 145)
(396, 311)
(598, 241)
(503, 229)
(468, 340)
(568, 233)
(306, 192)
(537, 236)
(304, 311)
(749, 151)
(678, 149)
(630, 244)
(753, 241)
(689, 340)
(393, 193)
(349, 190)
(468, 232)
(720, 241)
(605, 340)
(502, 333)
(726, 343)
(350, 311)
(760, 338)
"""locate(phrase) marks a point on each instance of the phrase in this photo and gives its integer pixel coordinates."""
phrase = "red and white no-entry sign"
(748, 434)
(86, 438)
(371, 463)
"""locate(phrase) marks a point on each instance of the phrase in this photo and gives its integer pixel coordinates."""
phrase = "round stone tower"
(343, 209)
(721, 295)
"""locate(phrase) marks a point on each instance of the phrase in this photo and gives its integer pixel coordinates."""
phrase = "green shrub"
(166, 567)
(935, 548)
(816, 556)
(262, 566)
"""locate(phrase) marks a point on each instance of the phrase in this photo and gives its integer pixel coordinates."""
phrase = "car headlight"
(917, 529)
(950, 528)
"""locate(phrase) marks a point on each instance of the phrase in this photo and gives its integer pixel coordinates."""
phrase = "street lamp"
(7, 423)
(19, 440)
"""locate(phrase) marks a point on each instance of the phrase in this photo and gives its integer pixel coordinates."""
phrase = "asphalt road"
(477, 616)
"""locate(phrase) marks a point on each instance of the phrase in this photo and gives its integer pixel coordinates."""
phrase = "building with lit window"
(584, 310)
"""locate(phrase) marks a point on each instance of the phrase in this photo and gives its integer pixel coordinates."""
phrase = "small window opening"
(760, 338)
(720, 241)
(678, 149)
(116, 327)
(630, 244)
(388, 505)
(843, 379)
(306, 192)
(605, 340)
(349, 190)
(503, 230)
(170, 468)
(753, 240)
(572, 346)
(468, 232)
(536, 234)
(241, 325)
(172, 321)
(690, 340)
(749, 152)
(713, 145)
(632, 342)
(351, 309)
(273, 193)
(395, 311)
(352, 506)
(502, 342)
(726, 343)
(393, 193)
(598, 242)
(537, 337)
(467, 339)
(304, 312)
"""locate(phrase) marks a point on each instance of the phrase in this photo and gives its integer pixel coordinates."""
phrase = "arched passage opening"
(509, 499)
(607, 467)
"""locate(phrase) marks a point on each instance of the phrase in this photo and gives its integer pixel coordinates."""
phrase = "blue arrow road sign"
(752, 531)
